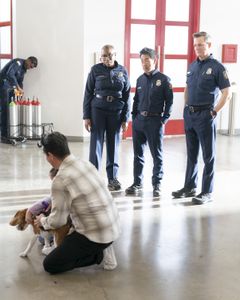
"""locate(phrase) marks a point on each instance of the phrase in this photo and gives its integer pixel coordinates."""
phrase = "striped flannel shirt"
(79, 191)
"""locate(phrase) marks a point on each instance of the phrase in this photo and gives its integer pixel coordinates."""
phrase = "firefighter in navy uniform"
(151, 109)
(106, 110)
(11, 83)
(204, 79)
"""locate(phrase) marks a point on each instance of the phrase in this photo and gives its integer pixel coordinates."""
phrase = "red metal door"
(5, 32)
(167, 26)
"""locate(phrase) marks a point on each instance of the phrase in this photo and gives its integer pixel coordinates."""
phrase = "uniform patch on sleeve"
(158, 82)
(225, 74)
(18, 62)
(170, 86)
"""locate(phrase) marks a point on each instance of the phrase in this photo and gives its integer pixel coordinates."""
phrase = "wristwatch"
(213, 113)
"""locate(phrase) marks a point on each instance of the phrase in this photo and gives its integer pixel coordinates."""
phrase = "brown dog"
(59, 234)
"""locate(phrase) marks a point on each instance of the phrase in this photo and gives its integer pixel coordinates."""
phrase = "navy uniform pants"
(6, 92)
(75, 251)
(200, 129)
(105, 124)
(147, 130)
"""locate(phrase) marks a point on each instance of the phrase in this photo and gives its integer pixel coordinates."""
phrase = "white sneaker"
(202, 198)
(109, 259)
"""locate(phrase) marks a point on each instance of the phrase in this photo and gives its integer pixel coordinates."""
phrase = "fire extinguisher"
(37, 117)
(13, 119)
(27, 119)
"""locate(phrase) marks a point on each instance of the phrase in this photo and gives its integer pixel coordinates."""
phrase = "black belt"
(107, 98)
(194, 108)
(149, 114)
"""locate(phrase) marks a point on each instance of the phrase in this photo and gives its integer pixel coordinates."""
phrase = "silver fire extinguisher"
(37, 118)
(27, 119)
(19, 103)
(13, 119)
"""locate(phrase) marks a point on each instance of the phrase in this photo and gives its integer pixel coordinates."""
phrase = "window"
(167, 27)
(5, 32)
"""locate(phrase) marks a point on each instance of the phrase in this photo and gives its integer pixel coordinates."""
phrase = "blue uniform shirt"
(153, 94)
(106, 81)
(13, 73)
(204, 79)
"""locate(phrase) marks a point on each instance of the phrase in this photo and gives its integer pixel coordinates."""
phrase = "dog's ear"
(18, 217)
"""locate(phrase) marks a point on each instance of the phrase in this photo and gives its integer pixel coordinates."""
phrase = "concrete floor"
(168, 249)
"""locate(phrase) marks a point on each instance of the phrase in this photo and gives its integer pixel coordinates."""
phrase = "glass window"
(178, 79)
(177, 10)
(3, 62)
(5, 12)
(142, 36)
(136, 70)
(142, 9)
(176, 40)
(131, 99)
(177, 112)
(5, 40)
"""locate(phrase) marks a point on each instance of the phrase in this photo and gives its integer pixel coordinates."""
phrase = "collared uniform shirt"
(153, 94)
(204, 79)
(106, 81)
(79, 191)
(13, 73)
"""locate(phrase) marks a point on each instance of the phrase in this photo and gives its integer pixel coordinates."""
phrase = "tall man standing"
(11, 82)
(151, 109)
(106, 111)
(204, 79)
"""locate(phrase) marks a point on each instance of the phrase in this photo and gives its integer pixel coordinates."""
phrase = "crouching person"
(79, 191)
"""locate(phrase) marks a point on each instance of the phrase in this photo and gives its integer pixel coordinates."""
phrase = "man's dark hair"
(207, 37)
(33, 60)
(55, 143)
(148, 51)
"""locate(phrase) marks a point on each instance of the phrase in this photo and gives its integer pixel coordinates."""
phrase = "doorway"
(166, 26)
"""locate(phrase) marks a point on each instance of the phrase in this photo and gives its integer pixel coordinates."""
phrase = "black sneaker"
(114, 185)
(157, 190)
(184, 193)
(202, 198)
(134, 189)
(6, 141)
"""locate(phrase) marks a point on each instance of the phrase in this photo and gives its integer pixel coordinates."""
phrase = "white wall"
(53, 32)
(221, 20)
(64, 36)
(104, 23)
